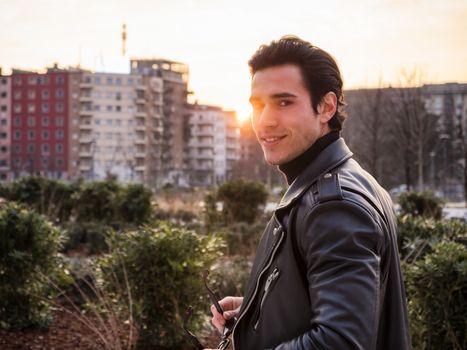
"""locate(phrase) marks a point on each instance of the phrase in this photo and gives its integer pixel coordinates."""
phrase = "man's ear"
(327, 107)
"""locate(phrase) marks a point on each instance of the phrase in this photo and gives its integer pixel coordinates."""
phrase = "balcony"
(85, 85)
(86, 139)
(140, 155)
(85, 154)
(87, 112)
(85, 98)
(85, 167)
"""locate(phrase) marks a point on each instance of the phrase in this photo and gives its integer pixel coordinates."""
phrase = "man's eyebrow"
(283, 95)
(273, 96)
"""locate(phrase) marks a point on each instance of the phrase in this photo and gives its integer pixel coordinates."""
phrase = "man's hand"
(231, 307)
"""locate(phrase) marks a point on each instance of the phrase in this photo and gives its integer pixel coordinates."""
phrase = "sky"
(373, 41)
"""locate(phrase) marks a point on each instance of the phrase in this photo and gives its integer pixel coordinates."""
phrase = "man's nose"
(267, 118)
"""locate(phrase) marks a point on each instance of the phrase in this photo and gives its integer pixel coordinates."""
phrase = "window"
(59, 93)
(118, 122)
(17, 95)
(3, 121)
(59, 148)
(3, 135)
(45, 107)
(32, 81)
(109, 81)
(31, 94)
(59, 162)
(97, 94)
(109, 135)
(109, 121)
(3, 81)
(3, 162)
(31, 148)
(4, 94)
(59, 134)
(17, 108)
(45, 149)
(109, 108)
(130, 81)
(45, 162)
(3, 149)
(17, 149)
(118, 108)
(110, 94)
(31, 108)
(59, 107)
(31, 134)
(59, 80)
(31, 121)
(43, 80)
(17, 135)
(45, 94)
(17, 121)
(118, 81)
(45, 134)
(97, 107)
(97, 121)
(45, 121)
(59, 121)
(118, 96)
(3, 108)
(17, 81)
(97, 80)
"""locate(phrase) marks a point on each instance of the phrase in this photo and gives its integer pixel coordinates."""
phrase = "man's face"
(283, 118)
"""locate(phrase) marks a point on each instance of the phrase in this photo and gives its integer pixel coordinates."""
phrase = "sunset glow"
(371, 40)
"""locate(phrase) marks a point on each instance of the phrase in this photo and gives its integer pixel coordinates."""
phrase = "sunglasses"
(228, 327)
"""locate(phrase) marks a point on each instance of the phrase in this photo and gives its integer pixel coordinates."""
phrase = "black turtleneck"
(293, 168)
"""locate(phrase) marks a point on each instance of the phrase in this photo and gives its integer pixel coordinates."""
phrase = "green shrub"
(424, 204)
(242, 238)
(229, 275)
(135, 203)
(98, 201)
(163, 266)
(86, 237)
(417, 235)
(437, 292)
(241, 202)
(52, 198)
(29, 248)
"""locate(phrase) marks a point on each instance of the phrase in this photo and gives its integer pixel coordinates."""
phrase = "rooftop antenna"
(123, 39)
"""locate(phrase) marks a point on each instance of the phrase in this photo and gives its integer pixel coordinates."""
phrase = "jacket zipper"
(267, 288)
(259, 278)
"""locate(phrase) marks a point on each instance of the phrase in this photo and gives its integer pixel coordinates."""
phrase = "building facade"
(39, 123)
(213, 145)
(175, 116)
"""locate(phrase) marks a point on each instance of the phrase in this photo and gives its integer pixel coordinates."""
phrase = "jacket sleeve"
(341, 243)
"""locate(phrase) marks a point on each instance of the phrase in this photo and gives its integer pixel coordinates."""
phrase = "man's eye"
(284, 103)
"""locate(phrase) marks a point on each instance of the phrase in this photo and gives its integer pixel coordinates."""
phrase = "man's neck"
(292, 169)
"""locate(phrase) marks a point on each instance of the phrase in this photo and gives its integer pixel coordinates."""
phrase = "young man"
(327, 273)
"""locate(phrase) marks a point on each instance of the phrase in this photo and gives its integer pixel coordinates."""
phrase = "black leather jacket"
(327, 272)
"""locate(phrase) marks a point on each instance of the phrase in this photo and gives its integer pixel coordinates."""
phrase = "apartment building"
(113, 126)
(39, 123)
(213, 145)
(5, 121)
(175, 133)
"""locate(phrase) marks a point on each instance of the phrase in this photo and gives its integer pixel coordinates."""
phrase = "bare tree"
(413, 129)
(367, 131)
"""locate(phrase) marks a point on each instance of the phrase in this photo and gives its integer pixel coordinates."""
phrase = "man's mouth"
(271, 140)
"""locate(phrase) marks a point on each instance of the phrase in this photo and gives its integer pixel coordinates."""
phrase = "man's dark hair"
(319, 69)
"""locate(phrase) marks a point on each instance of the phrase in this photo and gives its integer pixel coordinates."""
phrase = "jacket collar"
(332, 156)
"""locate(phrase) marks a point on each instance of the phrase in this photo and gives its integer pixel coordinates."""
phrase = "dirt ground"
(65, 333)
